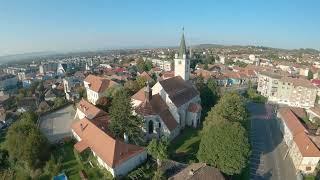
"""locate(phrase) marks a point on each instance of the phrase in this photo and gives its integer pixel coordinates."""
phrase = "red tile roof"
(140, 95)
(99, 84)
(146, 76)
(306, 146)
(90, 110)
(112, 151)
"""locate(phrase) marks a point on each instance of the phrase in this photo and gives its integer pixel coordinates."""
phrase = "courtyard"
(56, 125)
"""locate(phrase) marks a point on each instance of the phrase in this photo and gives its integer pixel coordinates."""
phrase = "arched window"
(150, 127)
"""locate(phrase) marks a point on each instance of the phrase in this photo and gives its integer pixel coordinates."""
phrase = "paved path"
(268, 150)
(56, 125)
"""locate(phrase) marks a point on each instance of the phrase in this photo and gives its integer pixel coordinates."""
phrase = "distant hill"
(25, 56)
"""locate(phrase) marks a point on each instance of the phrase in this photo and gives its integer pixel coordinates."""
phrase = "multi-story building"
(296, 92)
(304, 153)
(96, 87)
(164, 65)
(268, 84)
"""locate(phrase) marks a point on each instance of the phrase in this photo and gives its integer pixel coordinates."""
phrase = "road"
(268, 150)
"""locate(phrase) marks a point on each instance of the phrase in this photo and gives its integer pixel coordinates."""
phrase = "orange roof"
(306, 146)
(99, 84)
(112, 151)
(146, 75)
(90, 110)
(140, 95)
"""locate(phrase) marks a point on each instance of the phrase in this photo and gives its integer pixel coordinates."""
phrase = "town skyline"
(34, 27)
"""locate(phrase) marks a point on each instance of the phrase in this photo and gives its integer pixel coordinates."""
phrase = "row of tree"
(26, 148)
(224, 137)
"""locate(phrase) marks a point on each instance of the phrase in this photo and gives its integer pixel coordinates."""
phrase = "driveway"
(56, 125)
(268, 159)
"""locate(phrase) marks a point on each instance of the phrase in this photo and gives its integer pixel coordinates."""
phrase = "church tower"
(182, 61)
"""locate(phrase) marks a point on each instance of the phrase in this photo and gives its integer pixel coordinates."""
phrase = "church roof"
(179, 91)
(183, 47)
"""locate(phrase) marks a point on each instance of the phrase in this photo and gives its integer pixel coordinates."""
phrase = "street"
(268, 150)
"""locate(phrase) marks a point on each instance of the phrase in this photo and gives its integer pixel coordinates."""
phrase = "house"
(27, 104)
(146, 76)
(303, 152)
(114, 155)
(172, 103)
(89, 111)
(198, 171)
(96, 87)
(70, 85)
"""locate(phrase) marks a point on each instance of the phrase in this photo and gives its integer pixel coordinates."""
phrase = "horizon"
(33, 26)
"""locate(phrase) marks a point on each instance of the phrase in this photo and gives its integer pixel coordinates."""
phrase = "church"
(171, 104)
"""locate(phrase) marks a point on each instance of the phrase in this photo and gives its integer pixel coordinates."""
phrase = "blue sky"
(70, 25)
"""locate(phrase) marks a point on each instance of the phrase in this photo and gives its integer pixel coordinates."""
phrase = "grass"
(73, 163)
(309, 177)
(70, 165)
(184, 148)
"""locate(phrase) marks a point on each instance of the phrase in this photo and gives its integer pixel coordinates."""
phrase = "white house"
(303, 152)
(118, 157)
(96, 87)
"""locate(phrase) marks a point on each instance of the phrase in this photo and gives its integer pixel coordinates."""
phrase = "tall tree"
(224, 145)
(232, 107)
(158, 149)
(32, 145)
(122, 119)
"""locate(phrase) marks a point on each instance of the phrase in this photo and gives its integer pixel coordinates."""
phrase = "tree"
(158, 175)
(310, 75)
(122, 119)
(4, 163)
(158, 149)
(29, 116)
(52, 167)
(144, 65)
(141, 82)
(104, 103)
(58, 102)
(131, 87)
(232, 107)
(224, 145)
(32, 145)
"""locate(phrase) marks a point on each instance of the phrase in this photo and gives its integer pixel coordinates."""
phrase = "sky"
(76, 25)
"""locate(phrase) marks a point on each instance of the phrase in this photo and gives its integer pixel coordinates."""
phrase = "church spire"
(182, 48)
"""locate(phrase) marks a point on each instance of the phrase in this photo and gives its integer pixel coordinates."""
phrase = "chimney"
(191, 172)
(81, 126)
(126, 138)
(148, 92)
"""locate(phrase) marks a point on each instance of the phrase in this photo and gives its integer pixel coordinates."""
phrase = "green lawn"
(73, 163)
(184, 148)
(309, 177)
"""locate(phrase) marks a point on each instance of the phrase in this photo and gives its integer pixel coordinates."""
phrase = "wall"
(125, 167)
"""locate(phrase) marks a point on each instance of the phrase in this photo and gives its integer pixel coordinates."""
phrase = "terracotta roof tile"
(140, 95)
(198, 171)
(306, 147)
(99, 84)
(112, 151)
(146, 75)
(179, 91)
(90, 110)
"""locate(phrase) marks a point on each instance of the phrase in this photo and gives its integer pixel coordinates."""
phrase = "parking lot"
(56, 125)
(268, 159)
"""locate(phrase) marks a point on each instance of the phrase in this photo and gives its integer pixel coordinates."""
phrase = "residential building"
(164, 65)
(304, 153)
(296, 92)
(197, 171)
(116, 156)
(96, 87)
